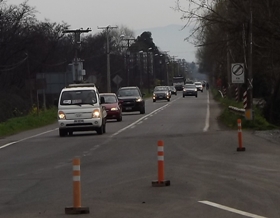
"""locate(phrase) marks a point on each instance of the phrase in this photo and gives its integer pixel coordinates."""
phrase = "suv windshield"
(189, 86)
(78, 97)
(128, 92)
(161, 88)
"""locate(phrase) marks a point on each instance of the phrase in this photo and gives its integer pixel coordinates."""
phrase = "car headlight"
(61, 115)
(114, 109)
(139, 100)
(184, 90)
(96, 113)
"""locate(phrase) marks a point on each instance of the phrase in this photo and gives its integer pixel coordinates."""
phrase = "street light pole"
(141, 68)
(166, 66)
(107, 28)
(148, 68)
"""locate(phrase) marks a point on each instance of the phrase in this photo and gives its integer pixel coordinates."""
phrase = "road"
(208, 177)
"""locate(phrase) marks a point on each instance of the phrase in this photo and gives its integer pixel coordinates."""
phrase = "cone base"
(76, 210)
(161, 184)
(240, 149)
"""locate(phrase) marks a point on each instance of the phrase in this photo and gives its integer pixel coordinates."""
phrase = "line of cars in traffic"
(192, 88)
(82, 108)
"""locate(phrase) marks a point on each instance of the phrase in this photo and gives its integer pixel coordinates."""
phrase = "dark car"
(161, 93)
(112, 105)
(173, 90)
(131, 99)
(189, 90)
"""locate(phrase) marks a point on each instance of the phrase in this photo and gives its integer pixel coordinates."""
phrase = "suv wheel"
(104, 127)
(62, 132)
(100, 130)
(142, 111)
(119, 118)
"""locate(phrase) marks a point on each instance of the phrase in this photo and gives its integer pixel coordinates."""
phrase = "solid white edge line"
(231, 209)
(206, 127)
(11, 143)
(6, 145)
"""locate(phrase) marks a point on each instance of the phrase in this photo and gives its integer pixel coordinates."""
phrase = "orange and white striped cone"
(77, 208)
(240, 147)
(160, 154)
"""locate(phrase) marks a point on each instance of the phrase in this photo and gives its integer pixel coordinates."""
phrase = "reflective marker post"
(240, 148)
(160, 153)
(77, 208)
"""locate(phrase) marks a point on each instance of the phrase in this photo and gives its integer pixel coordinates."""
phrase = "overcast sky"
(134, 14)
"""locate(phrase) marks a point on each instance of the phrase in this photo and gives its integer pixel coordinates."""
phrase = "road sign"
(237, 73)
(117, 79)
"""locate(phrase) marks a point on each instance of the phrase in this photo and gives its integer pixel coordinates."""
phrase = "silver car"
(161, 93)
(189, 90)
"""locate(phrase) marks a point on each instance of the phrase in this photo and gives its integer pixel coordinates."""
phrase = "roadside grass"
(229, 118)
(31, 121)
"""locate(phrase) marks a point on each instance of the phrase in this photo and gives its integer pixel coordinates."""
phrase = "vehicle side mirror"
(102, 100)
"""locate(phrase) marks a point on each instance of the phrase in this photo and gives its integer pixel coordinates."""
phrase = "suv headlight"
(61, 115)
(96, 113)
(139, 100)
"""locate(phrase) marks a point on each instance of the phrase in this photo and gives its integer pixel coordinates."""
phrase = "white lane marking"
(11, 143)
(206, 127)
(139, 120)
(231, 209)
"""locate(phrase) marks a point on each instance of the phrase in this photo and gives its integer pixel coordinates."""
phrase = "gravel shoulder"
(270, 135)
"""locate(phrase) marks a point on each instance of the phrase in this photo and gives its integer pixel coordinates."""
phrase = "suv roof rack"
(81, 85)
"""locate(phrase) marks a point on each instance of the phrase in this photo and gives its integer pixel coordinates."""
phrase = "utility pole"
(77, 34)
(249, 109)
(166, 66)
(127, 56)
(107, 28)
(173, 67)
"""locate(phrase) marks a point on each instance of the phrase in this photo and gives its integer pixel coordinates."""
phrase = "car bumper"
(189, 93)
(113, 114)
(81, 124)
(132, 107)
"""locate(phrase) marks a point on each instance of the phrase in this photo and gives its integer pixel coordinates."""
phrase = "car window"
(128, 92)
(189, 86)
(109, 99)
(78, 97)
(160, 88)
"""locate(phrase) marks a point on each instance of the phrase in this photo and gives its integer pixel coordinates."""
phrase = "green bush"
(229, 118)
(31, 121)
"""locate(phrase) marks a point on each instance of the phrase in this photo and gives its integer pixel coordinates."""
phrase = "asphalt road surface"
(208, 177)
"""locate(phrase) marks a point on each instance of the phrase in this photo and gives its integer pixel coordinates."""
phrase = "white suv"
(80, 109)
